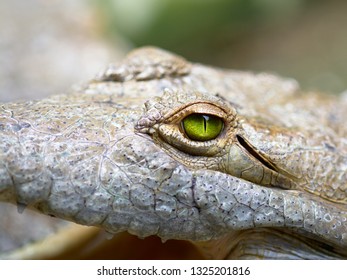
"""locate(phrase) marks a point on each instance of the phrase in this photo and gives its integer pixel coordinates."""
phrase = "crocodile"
(244, 165)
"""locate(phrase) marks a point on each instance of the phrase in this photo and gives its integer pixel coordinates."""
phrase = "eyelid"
(182, 143)
(196, 108)
(171, 134)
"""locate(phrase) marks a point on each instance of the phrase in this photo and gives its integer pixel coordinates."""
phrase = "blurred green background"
(48, 45)
(304, 39)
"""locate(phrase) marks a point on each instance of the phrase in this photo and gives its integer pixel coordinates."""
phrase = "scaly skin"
(271, 185)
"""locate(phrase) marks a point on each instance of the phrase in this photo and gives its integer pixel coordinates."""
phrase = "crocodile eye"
(202, 127)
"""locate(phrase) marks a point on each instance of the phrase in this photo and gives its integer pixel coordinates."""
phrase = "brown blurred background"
(48, 45)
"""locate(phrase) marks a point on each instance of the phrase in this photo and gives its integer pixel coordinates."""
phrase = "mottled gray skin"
(104, 156)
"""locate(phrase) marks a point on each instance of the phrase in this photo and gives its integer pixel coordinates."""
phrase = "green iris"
(202, 127)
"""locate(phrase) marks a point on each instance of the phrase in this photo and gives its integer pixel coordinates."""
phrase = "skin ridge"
(94, 156)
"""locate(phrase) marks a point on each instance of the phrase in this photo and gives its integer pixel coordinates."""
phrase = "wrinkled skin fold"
(113, 155)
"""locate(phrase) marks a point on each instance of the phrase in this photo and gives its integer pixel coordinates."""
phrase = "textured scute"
(113, 154)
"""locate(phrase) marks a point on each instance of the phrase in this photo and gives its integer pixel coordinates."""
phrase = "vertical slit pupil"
(205, 122)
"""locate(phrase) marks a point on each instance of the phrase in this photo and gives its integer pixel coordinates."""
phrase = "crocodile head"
(242, 165)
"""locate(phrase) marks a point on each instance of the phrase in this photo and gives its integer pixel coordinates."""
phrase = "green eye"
(202, 127)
